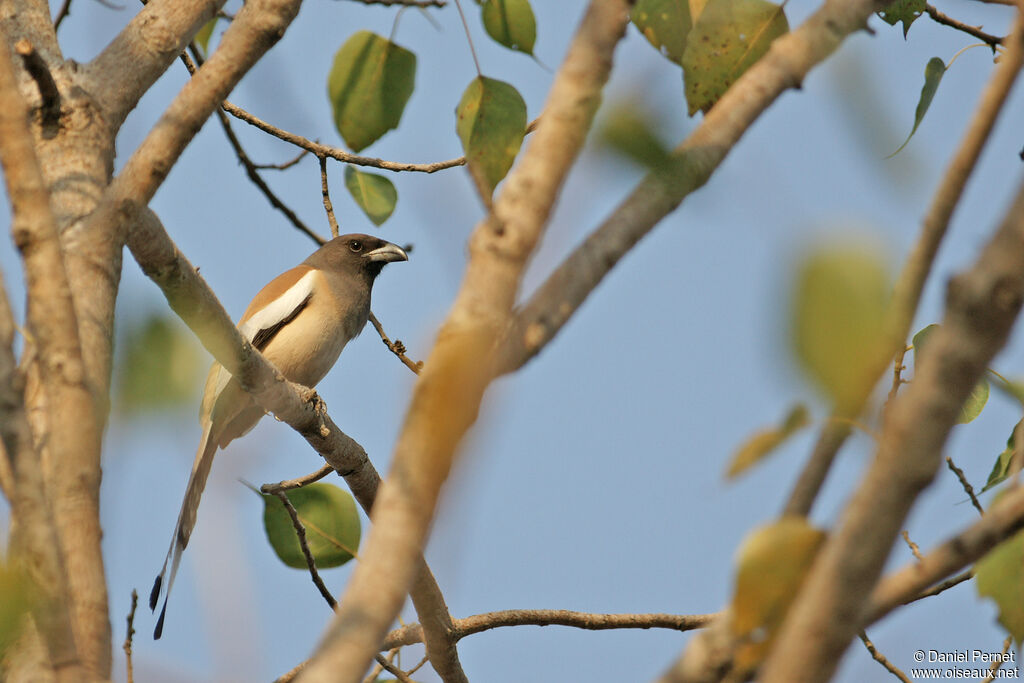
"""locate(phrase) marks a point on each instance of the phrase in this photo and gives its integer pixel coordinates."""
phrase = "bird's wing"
(277, 304)
(272, 308)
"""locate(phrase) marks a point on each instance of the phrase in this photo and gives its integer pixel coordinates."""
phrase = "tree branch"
(60, 543)
(785, 65)
(125, 70)
(337, 153)
(905, 585)
(413, 633)
(910, 284)
(448, 392)
(975, 31)
(981, 307)
(191, 298)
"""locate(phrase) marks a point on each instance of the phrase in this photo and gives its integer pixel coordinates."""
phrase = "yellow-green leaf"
(727, 38)
(975, 403)
(764, 441)
(511, 23)
(999, 575)
(374, 194)
(369, 85)
(158, 367)
(665, 24)
(933, 72)
(772, 563)
(1003, 464)
(839, 306)
(491, 123)
(331, 520)
(204, 34)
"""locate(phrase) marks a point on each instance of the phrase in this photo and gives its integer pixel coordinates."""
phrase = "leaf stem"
(469, 38)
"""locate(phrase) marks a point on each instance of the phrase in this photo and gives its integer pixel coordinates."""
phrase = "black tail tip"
(154, 594)
(159, 630)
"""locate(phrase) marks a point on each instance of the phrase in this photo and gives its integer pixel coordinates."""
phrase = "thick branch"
(981, 307)
(449, 390)
(904, 585)
(74, 524)
(910, 284)
(125, 70)
(191, 298)
(785, 65)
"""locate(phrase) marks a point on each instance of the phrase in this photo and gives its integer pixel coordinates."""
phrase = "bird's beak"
(388, 253)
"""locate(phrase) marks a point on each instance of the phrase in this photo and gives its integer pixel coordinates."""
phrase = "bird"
(300, 321)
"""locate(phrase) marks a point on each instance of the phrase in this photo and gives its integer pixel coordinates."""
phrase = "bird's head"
(363, 254)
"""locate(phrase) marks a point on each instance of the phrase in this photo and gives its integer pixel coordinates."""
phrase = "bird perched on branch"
(300, 321)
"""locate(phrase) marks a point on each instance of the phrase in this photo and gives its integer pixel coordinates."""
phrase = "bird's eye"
(356, 246)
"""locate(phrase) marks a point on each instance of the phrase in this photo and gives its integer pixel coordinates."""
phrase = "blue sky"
(593, 480)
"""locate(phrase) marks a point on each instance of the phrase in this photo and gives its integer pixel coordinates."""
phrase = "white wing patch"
(280, 308)
(277, 310)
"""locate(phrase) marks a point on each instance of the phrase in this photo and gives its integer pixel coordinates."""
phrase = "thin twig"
(942, 587)
(377, 668)
(62, 14)
(396, 347)
(413, 633)
(392, 669)
(998, 664)
(975, 31)
(282, 166)
(289, 484)
(300, 531)
(881, 659)
(127, 647)
(965, 484)
(913, 546)
(406, 3)
(419, 666)
(325, 191)
(321, 150)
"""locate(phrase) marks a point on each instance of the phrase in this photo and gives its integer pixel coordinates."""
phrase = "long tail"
(186, 522)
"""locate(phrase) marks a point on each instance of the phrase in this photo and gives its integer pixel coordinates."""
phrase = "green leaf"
(511, 23)
(369, 85)
(921, 338)
(331, 520)
(374, 194)
(491, 123)
(771, 565)
(1002, 466)
(727, 38)
(933, 72)
(999, 575)
(204, 34)
(839, 306)
(975, 403)
(158, 368)
(902, 10)
(665, 24)
(765, 441)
